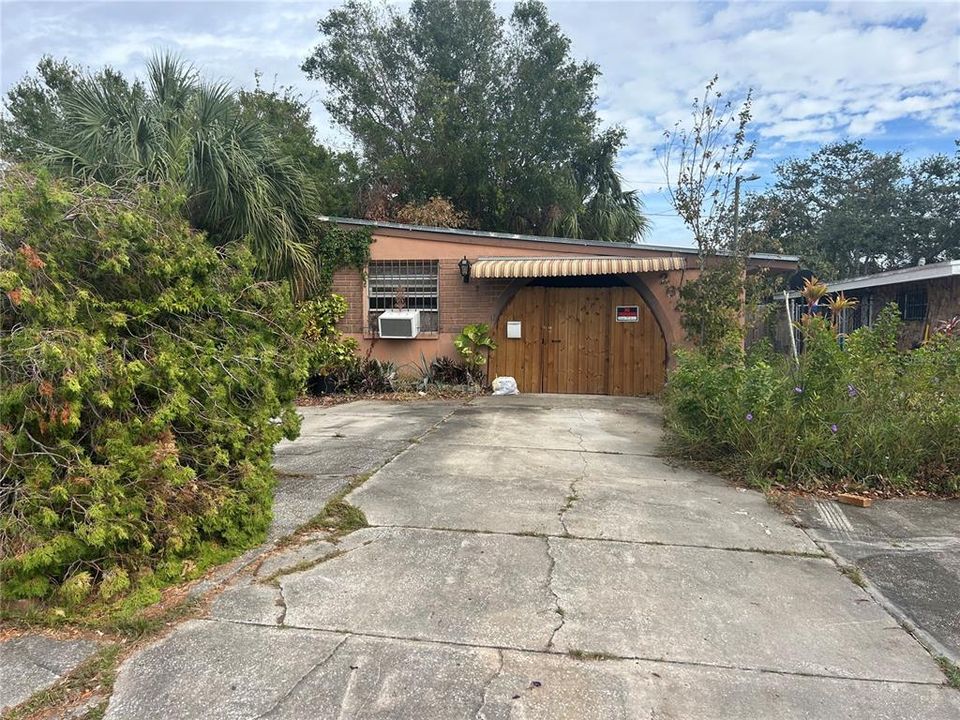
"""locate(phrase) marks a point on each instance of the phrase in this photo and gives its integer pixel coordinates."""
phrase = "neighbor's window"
(913, 303)
(407, 284)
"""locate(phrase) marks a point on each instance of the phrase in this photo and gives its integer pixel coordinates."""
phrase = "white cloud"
(885, 71)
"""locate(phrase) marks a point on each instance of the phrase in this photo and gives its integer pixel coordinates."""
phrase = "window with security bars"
(407, 285)
(913, 303)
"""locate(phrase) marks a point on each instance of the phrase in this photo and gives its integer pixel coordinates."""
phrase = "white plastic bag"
(505, 386)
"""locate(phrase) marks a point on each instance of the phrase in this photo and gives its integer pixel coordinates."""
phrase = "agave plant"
(180, 129)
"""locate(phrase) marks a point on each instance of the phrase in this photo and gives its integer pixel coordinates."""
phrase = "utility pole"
(742, 293)
(736, 208)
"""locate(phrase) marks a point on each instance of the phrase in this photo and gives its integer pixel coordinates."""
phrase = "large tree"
(175, 128)
(285, 115)
(847, 210)
(448, 100)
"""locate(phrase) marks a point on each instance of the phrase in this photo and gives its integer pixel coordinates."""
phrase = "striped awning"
(512, 267)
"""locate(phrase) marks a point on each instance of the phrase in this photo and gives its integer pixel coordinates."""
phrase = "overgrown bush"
(329, 350)
(146, 377)
(858, 415)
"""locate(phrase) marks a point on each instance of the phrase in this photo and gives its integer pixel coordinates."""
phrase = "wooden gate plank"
(521, 358)
(572, 343)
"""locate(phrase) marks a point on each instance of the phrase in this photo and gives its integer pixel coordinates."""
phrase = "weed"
(273, 578)
(780, 500)
(831, 420)
(951, 670)
(854, 574)
(590, 655)
(97, 672)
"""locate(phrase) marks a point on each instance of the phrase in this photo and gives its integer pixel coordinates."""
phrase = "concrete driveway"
(532, 557)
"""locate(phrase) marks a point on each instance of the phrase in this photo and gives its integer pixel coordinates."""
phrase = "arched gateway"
(577, 338)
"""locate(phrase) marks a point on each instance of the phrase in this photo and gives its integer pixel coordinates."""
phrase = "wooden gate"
(571, 342)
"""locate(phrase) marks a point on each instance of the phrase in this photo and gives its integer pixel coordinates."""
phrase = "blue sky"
(886, 72)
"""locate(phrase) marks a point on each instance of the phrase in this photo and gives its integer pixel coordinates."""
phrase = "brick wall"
(349, 283)
(465, 303)
(460, 303)
(943, 303)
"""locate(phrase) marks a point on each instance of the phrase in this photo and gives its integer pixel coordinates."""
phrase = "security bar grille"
(404, 284)
(913, 303)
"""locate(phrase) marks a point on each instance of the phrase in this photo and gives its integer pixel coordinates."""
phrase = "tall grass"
(854, 413)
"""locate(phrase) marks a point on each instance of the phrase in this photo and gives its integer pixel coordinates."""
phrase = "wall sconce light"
(464, 266)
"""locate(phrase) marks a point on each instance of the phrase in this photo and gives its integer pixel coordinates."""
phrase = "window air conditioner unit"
(399, 324)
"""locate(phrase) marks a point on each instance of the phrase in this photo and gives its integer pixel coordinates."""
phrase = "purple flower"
(749, 417)
(852, 391)
(833, 428)
(798, 389)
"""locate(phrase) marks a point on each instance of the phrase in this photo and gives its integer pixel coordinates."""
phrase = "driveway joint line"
(554, 449)
(607, 657)
(588, 538)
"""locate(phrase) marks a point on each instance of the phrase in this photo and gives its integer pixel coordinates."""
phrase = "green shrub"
(329, 350)
(146, 377)
(861, 415)
(474, 345)
(447, 371)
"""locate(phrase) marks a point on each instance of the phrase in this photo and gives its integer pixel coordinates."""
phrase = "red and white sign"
(628, 313)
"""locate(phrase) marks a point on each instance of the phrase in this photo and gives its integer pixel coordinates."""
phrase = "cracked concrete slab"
(299, 498)
(688, 509)
(428, 584)
(286, 559)
(376, 679)
(540, 687)
(588, 429)
(353, 677)
(31, 663)
(357, 420)
(740, 609)
(249, 602)
(413, 622)
(208, 669)
(332, 456)
(471, 488)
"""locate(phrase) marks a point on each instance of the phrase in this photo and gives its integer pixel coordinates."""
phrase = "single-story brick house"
(568, 316)
(925, 294)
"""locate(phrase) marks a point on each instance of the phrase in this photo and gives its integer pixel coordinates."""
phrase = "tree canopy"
(285, 116)
(174, 127)
(448, 100)
(847, 210)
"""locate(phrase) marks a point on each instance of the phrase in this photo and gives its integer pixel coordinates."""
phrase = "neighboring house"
(568, 316)
(925, 296)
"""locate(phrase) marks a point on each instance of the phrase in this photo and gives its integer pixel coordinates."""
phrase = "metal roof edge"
(533, 238)
(914, 273)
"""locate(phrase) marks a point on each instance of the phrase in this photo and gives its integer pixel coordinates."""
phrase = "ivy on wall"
(339, 248)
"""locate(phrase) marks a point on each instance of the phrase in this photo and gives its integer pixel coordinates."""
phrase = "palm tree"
(603, 209)
(177, 128)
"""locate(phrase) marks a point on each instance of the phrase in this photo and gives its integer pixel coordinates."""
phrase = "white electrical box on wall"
(513, 330)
